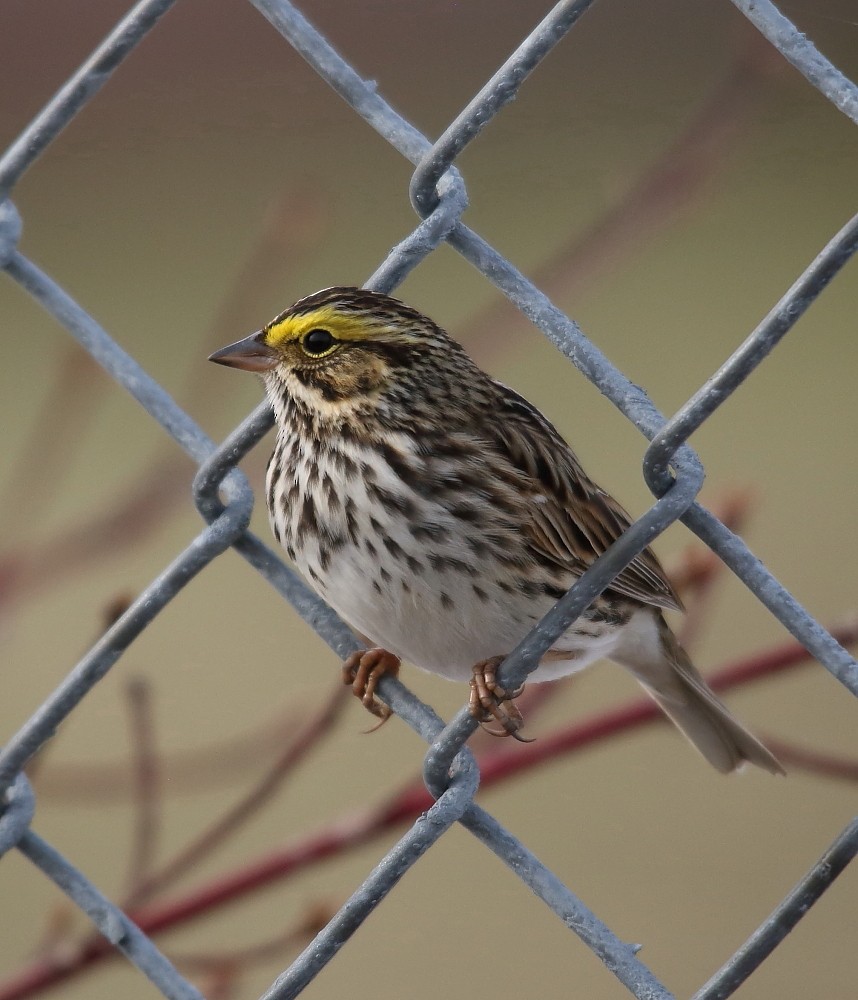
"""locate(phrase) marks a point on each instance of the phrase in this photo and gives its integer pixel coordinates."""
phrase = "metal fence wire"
(223, 497)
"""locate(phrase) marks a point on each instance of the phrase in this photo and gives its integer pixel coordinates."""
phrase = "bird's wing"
(572, 520)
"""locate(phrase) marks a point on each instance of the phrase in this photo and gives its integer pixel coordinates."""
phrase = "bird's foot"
(362, 672)
(490, 701)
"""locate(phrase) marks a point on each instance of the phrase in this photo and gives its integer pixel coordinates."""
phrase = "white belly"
(437, 622)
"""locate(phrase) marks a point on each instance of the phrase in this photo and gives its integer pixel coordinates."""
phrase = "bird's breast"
(433, 574)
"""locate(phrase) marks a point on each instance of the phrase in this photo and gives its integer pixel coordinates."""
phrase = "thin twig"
(146, 784)
(184, 771)
(700, 569)
(814, 761)
(305, 929)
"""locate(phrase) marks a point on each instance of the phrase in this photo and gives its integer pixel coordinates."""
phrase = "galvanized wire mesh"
(224, 499)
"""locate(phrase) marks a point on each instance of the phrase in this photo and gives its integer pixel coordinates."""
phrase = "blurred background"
(665, 177)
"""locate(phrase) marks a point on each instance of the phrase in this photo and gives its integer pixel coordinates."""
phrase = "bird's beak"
(251, 354)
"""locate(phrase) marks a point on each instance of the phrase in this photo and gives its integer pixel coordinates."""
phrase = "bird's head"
(338, 344)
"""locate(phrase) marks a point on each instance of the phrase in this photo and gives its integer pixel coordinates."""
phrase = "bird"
(441, 515)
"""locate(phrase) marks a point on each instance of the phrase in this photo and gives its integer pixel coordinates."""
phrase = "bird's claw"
(488, 700)
(362, 672)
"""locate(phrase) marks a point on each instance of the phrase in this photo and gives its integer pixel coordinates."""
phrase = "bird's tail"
(671, 679)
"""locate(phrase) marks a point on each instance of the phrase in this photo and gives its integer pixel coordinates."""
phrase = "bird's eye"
(318, 342)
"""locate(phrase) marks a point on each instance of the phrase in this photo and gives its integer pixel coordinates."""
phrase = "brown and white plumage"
(442, 515)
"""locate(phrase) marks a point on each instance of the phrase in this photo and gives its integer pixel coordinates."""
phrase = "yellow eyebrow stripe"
(294, 327)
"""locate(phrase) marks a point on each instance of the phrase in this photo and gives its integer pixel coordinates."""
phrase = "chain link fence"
(224, 499)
